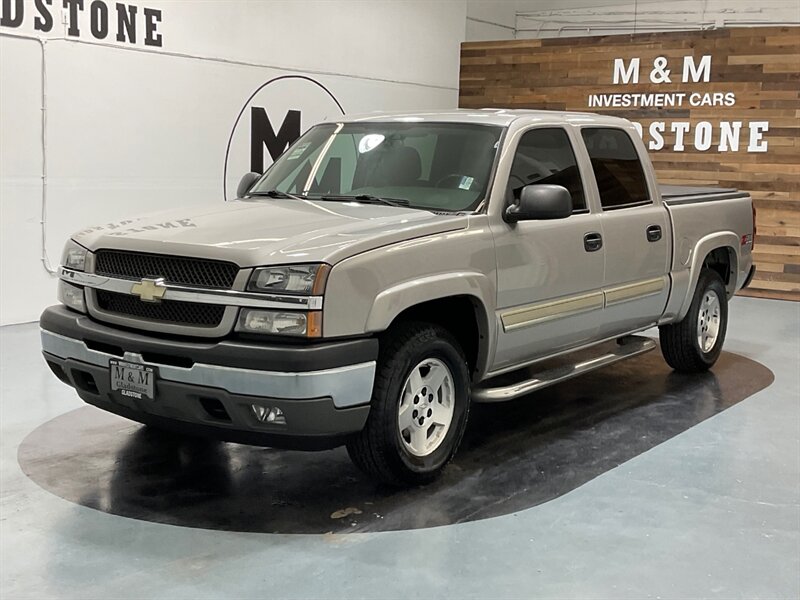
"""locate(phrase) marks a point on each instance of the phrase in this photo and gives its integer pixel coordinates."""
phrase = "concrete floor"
(711, 511)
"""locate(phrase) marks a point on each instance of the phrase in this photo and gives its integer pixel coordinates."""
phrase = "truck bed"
(699, 212)
(689, 194)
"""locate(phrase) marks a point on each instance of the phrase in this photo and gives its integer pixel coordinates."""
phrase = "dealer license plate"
(133, 380)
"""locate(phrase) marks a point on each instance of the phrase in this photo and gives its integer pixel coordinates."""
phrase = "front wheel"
(695, 343)
(420, 404)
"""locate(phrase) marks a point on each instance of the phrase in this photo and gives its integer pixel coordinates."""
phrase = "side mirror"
(542, 201)
(247, 181)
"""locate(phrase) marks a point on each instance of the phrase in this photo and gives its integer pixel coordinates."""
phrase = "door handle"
(653, 233)
(592, 242)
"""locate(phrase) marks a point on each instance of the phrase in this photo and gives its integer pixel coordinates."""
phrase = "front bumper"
(208, 388)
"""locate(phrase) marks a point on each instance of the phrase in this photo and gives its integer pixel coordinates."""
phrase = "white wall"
(491, 20)
(131, 129)
(520, 19)
(571, 18)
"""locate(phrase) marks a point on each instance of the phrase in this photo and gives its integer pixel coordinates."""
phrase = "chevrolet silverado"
(388, 270)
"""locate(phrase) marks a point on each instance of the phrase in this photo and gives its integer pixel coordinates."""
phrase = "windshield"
(437, 166)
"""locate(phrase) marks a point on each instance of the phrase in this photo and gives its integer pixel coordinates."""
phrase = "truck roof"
(487, 116)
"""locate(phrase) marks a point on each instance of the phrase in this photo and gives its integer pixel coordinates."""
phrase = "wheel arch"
(718, 253)
(455, 301)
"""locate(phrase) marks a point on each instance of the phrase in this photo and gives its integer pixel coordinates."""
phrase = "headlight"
(277, 322)
(290, 279)
(74, 256)
(71, 296)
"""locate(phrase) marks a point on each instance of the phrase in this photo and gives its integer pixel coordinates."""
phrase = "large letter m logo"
(262, 134)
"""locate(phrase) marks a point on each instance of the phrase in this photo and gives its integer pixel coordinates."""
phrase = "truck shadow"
(514, 456)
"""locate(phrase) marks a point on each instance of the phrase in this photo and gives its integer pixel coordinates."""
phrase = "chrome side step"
(519, 383)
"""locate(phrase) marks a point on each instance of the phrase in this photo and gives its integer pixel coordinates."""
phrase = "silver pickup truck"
(387, 271)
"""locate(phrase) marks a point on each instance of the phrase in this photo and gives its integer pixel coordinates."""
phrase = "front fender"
(366, 293)
(392, 301)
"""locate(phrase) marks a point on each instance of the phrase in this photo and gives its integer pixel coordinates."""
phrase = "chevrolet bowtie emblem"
(150, 290)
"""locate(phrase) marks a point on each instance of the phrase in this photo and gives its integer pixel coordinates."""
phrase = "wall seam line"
(485, 22)
(229, 61)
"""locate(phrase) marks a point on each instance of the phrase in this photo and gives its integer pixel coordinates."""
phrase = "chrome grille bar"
(190, 294)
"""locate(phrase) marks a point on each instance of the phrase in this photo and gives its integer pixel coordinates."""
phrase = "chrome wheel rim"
(426, 407)
(708, 321)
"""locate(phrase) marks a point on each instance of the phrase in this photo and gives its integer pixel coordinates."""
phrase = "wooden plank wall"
(761, 66)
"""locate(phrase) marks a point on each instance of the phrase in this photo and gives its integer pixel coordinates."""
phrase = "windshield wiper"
(367, 198)
(276, 194)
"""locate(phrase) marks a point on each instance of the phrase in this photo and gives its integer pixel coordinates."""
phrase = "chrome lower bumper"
(347, 386)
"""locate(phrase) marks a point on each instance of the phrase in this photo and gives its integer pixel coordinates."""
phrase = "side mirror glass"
(539, 202)
(247, 182)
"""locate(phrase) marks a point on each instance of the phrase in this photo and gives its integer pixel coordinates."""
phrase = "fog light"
(71, 296)
(267, 414)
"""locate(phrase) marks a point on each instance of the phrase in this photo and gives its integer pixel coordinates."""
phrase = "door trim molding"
(634, 291)
(550, 310)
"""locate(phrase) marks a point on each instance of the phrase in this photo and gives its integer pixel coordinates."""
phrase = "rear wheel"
(695, 343)
(420, 404)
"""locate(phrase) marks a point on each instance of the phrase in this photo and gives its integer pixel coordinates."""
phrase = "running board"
(519, 383)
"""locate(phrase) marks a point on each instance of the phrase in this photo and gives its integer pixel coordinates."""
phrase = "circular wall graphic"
(273, 117)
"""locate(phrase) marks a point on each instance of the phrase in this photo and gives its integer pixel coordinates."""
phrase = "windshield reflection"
(435, 166)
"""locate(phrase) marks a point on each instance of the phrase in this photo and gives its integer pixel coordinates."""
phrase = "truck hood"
(266, 232)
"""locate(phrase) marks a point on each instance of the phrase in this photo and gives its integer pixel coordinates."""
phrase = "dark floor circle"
(515, 455)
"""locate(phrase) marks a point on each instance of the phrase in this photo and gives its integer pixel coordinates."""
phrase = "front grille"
(174, 269)
(168, 311)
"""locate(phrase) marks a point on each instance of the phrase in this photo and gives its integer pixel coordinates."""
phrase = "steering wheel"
(457, 178)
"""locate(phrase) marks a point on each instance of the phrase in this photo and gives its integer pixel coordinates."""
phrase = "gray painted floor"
(713, 512)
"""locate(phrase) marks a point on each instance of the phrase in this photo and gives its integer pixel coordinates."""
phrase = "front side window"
(438, 166)
(617, 167)
(545, 156)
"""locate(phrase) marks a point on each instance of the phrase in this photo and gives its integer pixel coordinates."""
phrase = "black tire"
(378, 449)
(679, 343)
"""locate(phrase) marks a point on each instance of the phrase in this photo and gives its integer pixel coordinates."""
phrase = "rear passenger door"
(635, 229)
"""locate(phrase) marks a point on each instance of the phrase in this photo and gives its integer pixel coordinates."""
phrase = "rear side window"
(545, 156)
(617, 168)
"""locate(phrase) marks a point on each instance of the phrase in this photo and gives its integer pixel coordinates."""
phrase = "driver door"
(549, 276)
